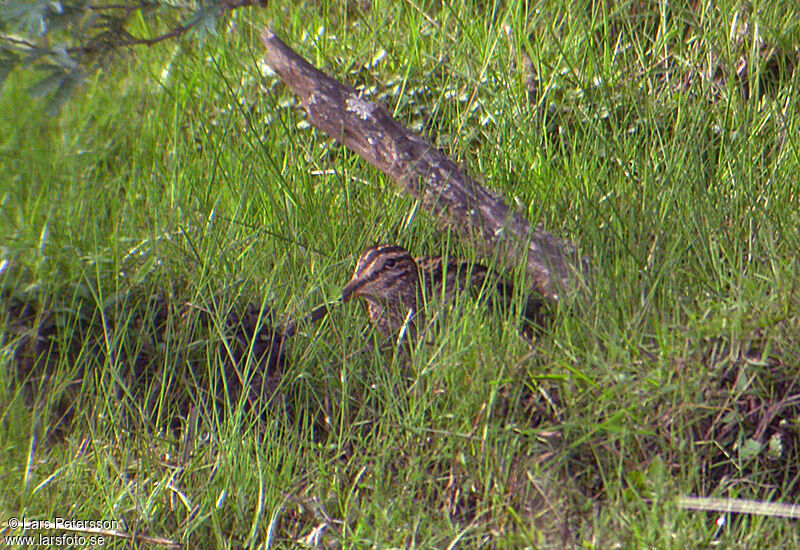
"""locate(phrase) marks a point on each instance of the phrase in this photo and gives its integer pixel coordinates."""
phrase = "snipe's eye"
(390, 263)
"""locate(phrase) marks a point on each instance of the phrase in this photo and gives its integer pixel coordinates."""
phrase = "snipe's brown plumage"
(396, 286)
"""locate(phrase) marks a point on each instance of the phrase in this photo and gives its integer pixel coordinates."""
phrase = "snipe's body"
(396, 286)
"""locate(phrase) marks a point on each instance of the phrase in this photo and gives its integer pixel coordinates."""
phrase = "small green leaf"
(60, 83)
(47, 85)
(749, 449)
(775, 448)
(205, 19)
(64, 91)
(67, 15)
(30, 15)
(62, 58)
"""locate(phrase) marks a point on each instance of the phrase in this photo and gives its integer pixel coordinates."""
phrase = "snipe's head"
(387, 278)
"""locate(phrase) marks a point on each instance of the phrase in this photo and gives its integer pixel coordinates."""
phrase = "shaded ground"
(137, 339)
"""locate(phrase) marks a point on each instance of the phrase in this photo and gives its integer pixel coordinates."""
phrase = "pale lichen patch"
(362, 108)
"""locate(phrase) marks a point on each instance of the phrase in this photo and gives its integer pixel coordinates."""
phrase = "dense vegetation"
(157, 230)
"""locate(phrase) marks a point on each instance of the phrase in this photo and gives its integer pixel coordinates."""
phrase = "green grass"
(186, 181)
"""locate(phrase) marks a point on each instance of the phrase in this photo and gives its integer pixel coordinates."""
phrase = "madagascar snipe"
(396, 286)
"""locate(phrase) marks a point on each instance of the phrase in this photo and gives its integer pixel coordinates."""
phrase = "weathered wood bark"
(427, 174)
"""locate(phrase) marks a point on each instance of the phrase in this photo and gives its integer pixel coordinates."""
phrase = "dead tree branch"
(425, 173)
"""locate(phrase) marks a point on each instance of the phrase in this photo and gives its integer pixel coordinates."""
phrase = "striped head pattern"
(387, 278)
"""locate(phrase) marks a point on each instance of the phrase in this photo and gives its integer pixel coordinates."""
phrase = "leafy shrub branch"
(69, 41)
